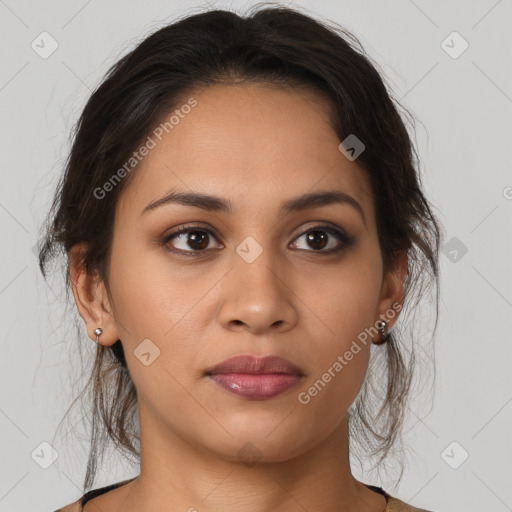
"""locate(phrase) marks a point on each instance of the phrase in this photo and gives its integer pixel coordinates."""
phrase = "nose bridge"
(255, 263)
(256, 295)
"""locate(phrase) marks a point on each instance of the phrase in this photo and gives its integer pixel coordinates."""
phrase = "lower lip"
(256, 387)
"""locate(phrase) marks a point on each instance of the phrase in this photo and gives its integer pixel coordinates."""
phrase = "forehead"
(255, 144)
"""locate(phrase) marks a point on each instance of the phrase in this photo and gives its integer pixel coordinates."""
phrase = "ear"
(91, 298)
(392, 291)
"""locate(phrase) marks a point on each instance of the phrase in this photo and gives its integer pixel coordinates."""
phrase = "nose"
(258, 296)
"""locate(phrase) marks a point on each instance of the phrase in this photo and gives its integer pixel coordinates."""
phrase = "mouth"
(256, 378)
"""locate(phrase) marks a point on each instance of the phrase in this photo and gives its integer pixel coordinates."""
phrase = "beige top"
(393, 504)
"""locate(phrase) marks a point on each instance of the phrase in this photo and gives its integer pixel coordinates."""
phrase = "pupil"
(316, 237)
(195, 236)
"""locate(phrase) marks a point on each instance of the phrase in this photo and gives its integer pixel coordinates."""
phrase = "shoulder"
(396, 505)
(393, 504)
(73, 507)
(78, 505)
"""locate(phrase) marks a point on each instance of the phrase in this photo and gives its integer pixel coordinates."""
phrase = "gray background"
(464, 105)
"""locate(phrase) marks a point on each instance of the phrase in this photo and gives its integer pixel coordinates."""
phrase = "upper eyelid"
(314, 224)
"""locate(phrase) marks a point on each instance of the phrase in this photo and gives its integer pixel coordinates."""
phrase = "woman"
(243, 222)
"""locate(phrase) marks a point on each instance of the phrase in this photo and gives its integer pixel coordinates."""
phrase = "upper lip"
(255, 365)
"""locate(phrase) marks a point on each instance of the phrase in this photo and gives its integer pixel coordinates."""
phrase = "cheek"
(330, 392)
(346, 298)
(339, 369)
(153, 325)
(346, 308)
(157, 313)
(148, 298)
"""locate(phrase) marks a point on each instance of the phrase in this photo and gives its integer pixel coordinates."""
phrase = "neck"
(176, 475)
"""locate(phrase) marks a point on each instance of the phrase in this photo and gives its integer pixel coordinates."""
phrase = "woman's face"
(252, 278)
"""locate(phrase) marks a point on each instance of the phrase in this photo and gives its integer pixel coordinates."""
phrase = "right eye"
(189, 240)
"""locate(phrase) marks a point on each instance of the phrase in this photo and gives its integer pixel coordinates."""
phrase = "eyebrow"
(217, 204)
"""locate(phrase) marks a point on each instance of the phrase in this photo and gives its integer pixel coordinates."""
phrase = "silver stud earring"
(98, 332)
(382, 327)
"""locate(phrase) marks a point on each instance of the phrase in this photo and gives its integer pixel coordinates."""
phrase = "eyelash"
(346, 240)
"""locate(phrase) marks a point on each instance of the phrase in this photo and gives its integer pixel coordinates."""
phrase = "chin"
(263, 444)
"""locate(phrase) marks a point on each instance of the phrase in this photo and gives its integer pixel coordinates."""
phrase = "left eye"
(320, 238)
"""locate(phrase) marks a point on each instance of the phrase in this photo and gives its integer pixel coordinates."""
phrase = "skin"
(256, 146)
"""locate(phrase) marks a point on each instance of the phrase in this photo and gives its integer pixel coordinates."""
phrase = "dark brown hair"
(271, 44)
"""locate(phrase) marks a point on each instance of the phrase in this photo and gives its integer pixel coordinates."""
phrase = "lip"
(254, 365)
(256, 378)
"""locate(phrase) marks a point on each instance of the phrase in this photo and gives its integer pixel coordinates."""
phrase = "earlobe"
(91, 298)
